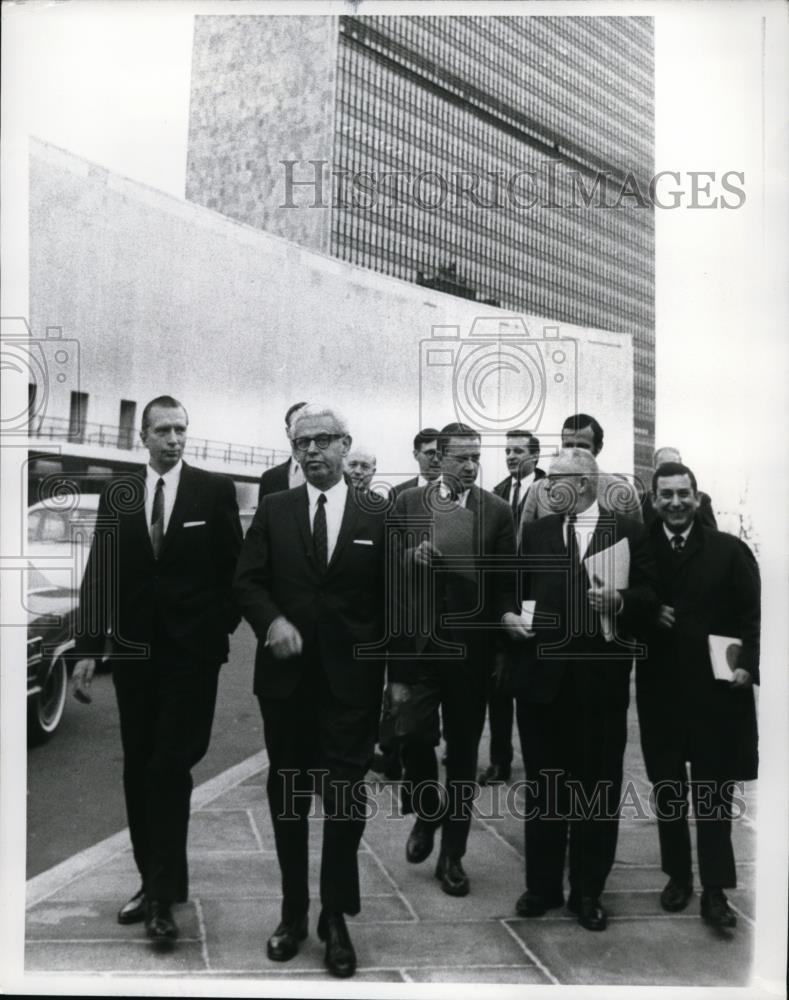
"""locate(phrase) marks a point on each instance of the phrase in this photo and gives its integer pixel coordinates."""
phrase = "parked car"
(58, 540)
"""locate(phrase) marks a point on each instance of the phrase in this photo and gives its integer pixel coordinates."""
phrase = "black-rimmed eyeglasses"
(322, 441)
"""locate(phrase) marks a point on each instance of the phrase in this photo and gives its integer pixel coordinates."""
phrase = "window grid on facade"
(434, 96)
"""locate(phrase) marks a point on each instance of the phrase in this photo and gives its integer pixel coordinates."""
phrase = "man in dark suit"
(427, 458)
(704, 514)
(310, 582)
(288, 474)
(522, 453)
(572, 687)
(708, 586)
(158, 585)
(449, 532)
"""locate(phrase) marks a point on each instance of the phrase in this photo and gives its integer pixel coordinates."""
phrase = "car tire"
(45, 708)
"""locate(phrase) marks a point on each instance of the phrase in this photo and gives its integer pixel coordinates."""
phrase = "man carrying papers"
(571, 682)
(707, 628)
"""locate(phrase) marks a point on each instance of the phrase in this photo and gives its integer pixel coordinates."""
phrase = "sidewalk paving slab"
(408, 930)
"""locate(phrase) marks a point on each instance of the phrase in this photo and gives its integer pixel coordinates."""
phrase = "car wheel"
(45, 709)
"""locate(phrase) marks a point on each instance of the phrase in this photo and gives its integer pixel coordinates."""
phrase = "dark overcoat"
(684, 713)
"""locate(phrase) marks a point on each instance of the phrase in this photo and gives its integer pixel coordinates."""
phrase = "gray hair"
(575, 461)
(314, 410)
(363, 452)
(657, 460)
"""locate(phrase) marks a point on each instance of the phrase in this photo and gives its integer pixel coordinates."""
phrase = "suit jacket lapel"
(604, 535)
(138, 518)
(301, 512)
(178, 513)
(474, 505)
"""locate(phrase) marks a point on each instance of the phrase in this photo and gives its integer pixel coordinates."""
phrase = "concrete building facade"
(161, 295)
(502, 159)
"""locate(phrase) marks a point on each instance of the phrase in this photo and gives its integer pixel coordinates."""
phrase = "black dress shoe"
(591, 914)
(715, 908)
(284, 942)
(159, 923)
(534, 904)
(494, 774)
(454, 881)
(675, 895)
(420, 842)
(340, 958)
(134, 911)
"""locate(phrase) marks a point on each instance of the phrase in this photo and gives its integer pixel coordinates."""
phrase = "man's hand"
(514, 627)
(399, 694)
(424, 553)
(283, 639)
(740, 678)
(606, 600)
(81, 679)
(665, 617)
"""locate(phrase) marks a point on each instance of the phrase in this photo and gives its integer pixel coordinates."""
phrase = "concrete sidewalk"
(408, 930)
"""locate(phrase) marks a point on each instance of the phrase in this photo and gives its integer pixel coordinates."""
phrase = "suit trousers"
(318, 744)
(712, 808)
(457, 688)
(572, 750)
(166, 707)
(501, 714)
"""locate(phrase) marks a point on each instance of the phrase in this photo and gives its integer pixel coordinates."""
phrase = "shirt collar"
(336, 492)
(171, 477)
(592, 513)
(524, 480)
(673, 534)
(462, 497)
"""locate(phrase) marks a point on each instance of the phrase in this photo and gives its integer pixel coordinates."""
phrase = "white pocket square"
(193, 524)
(362, 541)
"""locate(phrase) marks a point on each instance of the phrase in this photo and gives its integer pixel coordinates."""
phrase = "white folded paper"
(527, 613)
(611, 567)
(724, 655)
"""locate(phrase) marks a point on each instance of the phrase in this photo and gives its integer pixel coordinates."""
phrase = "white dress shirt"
(295, 474)
(335, 508)
(673, 534)
(584, 527)
(525, 482)
(445, 491)
(171, 480)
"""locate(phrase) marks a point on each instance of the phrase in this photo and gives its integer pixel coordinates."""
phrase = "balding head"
(572, 481)
(360, 466)
(665, 455)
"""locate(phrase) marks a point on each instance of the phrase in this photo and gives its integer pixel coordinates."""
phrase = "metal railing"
(108, 436)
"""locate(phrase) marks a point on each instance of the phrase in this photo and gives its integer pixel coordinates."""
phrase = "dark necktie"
(320, 534)
(516, 499)
(577, 584)
(572, 540)
(679, 544)
(157, 519)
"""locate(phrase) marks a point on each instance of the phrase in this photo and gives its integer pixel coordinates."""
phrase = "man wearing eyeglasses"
(310, 582)
(427, 458)
(572, 684)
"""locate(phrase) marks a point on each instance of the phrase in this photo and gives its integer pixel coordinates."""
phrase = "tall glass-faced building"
(502, 158)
